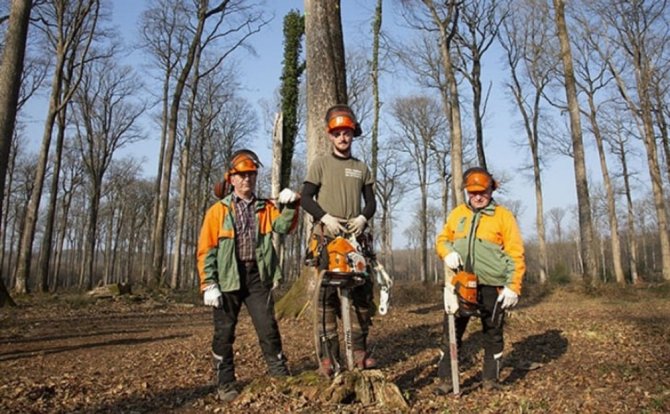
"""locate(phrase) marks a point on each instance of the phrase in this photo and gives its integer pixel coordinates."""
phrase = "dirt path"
(565, 353)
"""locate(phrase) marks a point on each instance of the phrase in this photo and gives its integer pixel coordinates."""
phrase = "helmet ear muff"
(345, 111)
(220, 189)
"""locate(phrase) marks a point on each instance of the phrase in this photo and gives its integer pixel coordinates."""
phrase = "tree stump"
(368, 387)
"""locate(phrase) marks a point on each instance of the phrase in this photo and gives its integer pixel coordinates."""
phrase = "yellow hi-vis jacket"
(490, 239)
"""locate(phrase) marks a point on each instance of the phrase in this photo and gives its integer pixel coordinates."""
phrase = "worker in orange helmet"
(481, 237)
(333, 192)
(238, 264)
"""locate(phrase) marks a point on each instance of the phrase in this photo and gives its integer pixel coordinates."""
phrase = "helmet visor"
(477, 181)
(341, 121)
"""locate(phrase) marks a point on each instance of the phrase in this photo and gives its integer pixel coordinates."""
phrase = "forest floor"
(566, 352)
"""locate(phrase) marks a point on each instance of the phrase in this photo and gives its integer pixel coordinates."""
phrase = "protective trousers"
(258, 299)
(492, 329)
(329, 308)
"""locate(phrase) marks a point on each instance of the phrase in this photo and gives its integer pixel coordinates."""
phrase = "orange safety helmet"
(243, 160)
(478, 179)
(341, 116)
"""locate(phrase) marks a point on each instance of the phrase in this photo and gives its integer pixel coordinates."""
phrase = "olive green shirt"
(341, 183)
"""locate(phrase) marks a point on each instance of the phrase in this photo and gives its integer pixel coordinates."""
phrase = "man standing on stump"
(333, 191)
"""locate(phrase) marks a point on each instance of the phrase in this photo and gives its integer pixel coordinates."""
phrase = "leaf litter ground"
(566, 352)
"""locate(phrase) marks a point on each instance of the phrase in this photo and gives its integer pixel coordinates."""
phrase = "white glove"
(333, 224)
(287, 196)
(453, 260)
(508, 297)
(357, 225)
(383, 300)
(450, 299)
(212, 296)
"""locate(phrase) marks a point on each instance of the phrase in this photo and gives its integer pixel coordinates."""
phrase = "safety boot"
(327, 368)
(277, 367)
(491, 385)
(491, 372)
(364, 361)
(227, 392)
(443, 386)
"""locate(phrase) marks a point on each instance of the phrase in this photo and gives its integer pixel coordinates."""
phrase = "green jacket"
(216, 245)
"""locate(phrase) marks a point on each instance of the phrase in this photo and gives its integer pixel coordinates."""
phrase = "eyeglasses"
(245, 174)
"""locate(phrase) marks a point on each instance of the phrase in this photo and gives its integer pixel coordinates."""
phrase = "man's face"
(480, 199)
(244, 183)
(341, 139)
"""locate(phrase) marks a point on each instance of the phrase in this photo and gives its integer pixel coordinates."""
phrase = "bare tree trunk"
(447, 28)
(158, 242)
(76, 35)
(184, 166)
(87, 270)
(374, 69)
(49, 219)
(276, 179)
(633, 23)
(10, 85)
(583, 201)
(661, 121)
(609, 192)
(62, 232)
(630, 212)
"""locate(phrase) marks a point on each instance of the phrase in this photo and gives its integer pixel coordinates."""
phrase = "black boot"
(277, 366)
(491, 371)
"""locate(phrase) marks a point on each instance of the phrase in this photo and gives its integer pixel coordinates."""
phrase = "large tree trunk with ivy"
(326, 86)
(10, 85)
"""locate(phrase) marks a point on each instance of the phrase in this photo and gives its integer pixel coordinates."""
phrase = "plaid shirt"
(245, 228)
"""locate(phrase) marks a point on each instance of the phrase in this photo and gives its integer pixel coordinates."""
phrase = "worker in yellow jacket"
(481, 237)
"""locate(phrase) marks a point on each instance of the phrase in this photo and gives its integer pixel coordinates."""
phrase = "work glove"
(333, 224)
(453, 260)
(508, 297)
(450, 299)
(212, 296)
(384, 296)
(287, 196)
(357, 225)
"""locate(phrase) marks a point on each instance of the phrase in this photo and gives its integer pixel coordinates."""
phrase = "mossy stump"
(369, 388)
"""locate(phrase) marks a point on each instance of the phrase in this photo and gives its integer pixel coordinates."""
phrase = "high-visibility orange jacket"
(216, 246)
(490, 239)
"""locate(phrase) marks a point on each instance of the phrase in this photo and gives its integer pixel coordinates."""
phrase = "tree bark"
(590, 272)
(447, 28)
(326, 86)
(158, 243)
(10, 84)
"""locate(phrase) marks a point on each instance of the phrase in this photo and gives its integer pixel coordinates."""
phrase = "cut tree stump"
(368, 387)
